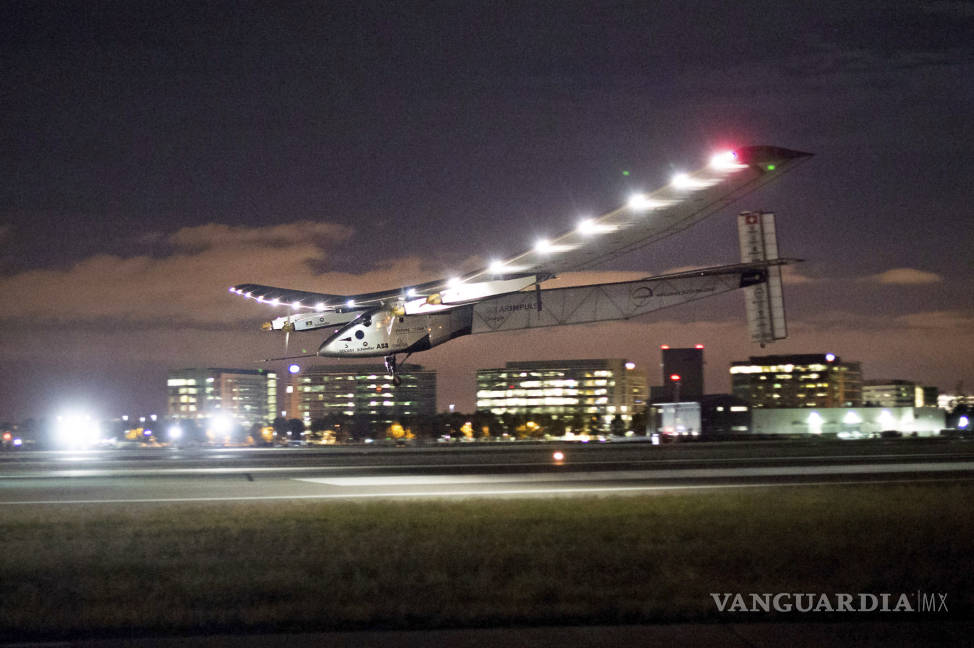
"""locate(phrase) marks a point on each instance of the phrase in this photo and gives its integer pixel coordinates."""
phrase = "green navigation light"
(625, 173)
(770, 167)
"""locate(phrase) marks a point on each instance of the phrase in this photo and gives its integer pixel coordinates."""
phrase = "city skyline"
(293, 371)
(158, 154)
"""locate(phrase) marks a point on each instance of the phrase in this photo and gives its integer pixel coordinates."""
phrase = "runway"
(168, 475)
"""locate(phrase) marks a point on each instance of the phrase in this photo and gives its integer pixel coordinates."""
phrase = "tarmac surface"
(173, 475)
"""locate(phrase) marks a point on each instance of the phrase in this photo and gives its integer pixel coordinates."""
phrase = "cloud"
(792, 277)
(216, 234)
(146, 313)
(189, 285)
(904, 277)
(953, 322)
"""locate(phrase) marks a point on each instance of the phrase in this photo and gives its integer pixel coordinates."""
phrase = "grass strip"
(307, 565)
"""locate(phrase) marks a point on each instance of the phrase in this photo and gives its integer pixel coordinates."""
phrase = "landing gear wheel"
(393, 368)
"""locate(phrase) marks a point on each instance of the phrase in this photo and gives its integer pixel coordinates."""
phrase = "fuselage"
(383, 333)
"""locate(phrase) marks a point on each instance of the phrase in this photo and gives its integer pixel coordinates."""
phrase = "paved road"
(208, 474)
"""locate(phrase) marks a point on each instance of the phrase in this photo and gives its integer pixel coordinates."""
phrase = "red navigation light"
(675, 377)
(664, 346)
(698, 346)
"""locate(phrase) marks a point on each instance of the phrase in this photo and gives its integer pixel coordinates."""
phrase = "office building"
(805, 380)
(564, 389)
(318, 391)
(682, 373)
(248, 395)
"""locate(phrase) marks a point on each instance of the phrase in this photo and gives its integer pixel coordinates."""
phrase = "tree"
(638, 423)
(617, 426)
(485, 424)
(295, 428)
(360, 426)
(578, 421)
(280, 428)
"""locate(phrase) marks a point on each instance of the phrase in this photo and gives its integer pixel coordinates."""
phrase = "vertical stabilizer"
(764, 302)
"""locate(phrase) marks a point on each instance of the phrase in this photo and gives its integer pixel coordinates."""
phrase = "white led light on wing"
(320, 306)
(496, 267)
(726, 161)
(686, 181)
(682, 181)
(296, 304)
(543, 246)
(275, 302)
(642, 202)
(591, 226)
(350, 303)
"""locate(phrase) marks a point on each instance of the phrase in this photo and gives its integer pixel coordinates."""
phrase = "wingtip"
(764, 154)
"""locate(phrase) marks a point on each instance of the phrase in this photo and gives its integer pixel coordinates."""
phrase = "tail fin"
(764, 302)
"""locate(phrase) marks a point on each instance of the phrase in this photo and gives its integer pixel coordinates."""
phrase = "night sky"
(154, 154)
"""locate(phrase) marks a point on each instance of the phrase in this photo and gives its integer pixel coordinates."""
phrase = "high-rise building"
(248, 395)
(353, 389)
(804, 380)
(564, 389)
(683, 373)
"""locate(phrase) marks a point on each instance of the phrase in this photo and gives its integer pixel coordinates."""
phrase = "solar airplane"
(507, 295)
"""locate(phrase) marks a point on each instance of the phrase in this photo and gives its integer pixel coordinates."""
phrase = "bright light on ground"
(75, 431)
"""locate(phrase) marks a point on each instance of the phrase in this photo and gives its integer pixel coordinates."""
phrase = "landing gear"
(393, 368)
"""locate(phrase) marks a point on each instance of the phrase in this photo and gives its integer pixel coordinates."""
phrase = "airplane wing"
(645, 219)
(287, 297)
